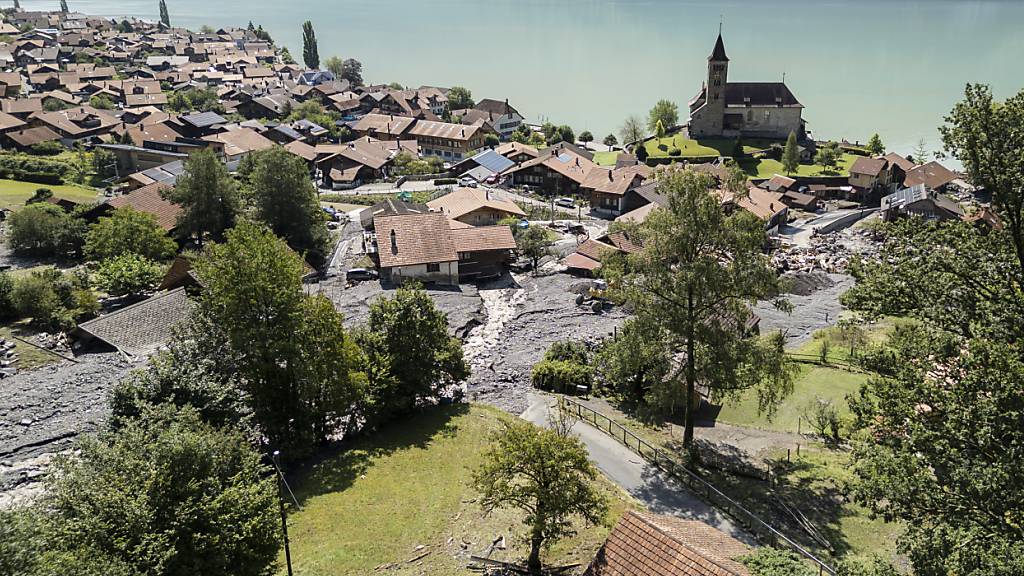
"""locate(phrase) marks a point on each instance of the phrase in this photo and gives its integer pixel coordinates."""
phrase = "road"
(643, 481)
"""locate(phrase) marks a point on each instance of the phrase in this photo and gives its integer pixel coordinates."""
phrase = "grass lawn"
(766, 168)
(29, 356)
(409, 486)
(702, 147)
(13, 193)
(606, 158)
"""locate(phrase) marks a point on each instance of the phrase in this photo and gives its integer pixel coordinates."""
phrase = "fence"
(764, 532)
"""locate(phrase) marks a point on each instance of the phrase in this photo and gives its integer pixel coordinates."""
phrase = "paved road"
(643, 481)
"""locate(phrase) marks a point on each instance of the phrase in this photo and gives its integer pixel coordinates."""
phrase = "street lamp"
(282, 483)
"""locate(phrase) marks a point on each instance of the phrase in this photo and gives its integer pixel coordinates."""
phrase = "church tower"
(718, 74)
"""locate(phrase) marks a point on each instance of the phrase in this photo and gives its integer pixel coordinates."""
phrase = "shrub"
(569, 351)
(445, 181)
(675, 152)
(128, 231)
(41, 195)
(663, 147)
(128, 274)
(43, 229)
(6, 295)
(561, 376)
(50, 148)
(52, 299)
(824, 419)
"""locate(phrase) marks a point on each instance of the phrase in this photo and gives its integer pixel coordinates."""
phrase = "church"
(748, 109)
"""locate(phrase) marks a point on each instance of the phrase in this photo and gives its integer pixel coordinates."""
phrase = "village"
(509, 227)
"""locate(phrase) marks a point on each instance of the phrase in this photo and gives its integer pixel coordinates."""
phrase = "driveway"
(660, 494)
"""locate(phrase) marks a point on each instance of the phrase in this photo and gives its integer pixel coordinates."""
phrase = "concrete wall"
(778, 123)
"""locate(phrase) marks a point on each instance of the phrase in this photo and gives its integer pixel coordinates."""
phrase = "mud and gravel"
(42, 411)
(812, 310)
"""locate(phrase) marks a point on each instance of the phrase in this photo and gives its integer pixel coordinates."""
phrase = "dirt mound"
(807, 283)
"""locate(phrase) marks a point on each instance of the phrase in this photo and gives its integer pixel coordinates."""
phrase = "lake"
(858, 66)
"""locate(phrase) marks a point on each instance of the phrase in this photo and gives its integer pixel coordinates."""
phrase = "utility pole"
(281, 484)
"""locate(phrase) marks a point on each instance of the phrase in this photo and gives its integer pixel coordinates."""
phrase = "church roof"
(760, 94)
(718, 54)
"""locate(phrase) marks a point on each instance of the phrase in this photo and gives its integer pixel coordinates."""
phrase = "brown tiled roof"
(444, 130)
(302, 150)
(617, 181)
(481, 238)
(147, 199)
(902, 162)
(384, 124)
(933, 175)
(595, 250)
(141, 328)
(240, 141)
(418, 239)
(868, 166)
(462, 201)
(622, 242)
(32, 136)
(779, 181)
(515, 148)
(644, 544)
(760, 94)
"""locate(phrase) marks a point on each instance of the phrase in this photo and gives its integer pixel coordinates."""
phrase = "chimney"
(610, 178)
(394, 243)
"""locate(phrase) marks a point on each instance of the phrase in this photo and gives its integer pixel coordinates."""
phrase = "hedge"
(561, 376)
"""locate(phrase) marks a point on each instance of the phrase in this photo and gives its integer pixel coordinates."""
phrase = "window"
(433, 267)
(750, 115)
(465, 256)
(767, 114)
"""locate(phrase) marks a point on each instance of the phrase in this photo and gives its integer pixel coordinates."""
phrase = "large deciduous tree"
(207, 196)
(694, 279)
(632, 130)
(942, 434)
(128, 231)
(546, 475)
(665, 112)
(310, 52)
(286, 200)
(167, 494)
(460, 98)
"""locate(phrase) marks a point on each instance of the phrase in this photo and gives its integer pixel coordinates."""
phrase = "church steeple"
(718, 54)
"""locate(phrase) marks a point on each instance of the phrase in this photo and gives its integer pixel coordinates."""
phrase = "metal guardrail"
(763, 531)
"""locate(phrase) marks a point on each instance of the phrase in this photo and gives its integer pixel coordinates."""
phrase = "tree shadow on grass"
(337, 466)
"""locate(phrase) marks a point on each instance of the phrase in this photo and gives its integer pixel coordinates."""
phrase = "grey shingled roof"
(141, 328)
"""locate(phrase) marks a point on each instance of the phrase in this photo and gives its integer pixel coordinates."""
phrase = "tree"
(52, 299)
(659, 130)
(547, 476)
(166, 494)
(791, 155)
(104, 162)
(535, 244)
(17, 6)
(566, 134)
(693, 280)
(128, 231)
(610, 140)
(7, 310)
(875, 145)
(44, 229)
(64, 6)
(128, 273)
(335, 65)
(632, 130)
(768, 561)
(460, 98)
(289, 350)
(640, 151)
(165, 17)
(665, 112)
(352, 70)
(941, 420)
(286, 200)
(207, 196)
(921, 153)
(636, 363)
(310, 54)
(828, 155)
(411, 335)
(586, 137)
(286, 56)
(491, 140)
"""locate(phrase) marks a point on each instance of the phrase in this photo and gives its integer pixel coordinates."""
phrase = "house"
(151, 154)
(9, 123)
(360, 160)
(446, 140)
(76, 123)
(232, 145)
(148, 199)
(502, 118)
(10, 84)
(586, 259)
(607, 187)
(25, 139)
(555, 171)
(383, 127)
(919, 200)
(315, 77)
(517, 152)
(872, 174)
(416, 247)
(484, 165)
(389, 207)
(484, 251)
(933, 176)
(767, 206)
(199, 124)
(139, 329)
(748, 109)
(646, 544)
(475, 206)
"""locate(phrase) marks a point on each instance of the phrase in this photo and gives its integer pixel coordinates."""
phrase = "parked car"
(359, 274)
(492, 179)
(467, 182)
(566, 202)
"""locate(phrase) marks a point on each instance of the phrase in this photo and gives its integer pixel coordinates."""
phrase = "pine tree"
(64, 6)
(875, 145)
(791, 155)
(165, 18)
(310, 54)
(17, 6)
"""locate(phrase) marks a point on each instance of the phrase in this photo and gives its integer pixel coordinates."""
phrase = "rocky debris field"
(829, 253)
(531, 313)
(42, 411)
(816, 306)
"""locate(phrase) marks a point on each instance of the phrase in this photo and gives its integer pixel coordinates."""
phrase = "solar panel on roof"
(565, 158)
(204, 119)
(493, 161)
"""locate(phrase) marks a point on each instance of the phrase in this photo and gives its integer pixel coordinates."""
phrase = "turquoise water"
(859, 66)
